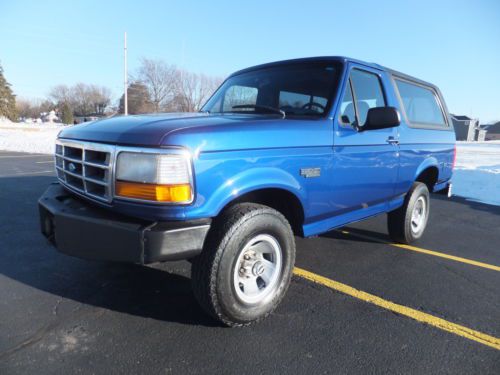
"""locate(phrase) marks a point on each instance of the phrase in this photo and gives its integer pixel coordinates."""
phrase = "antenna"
(125, 76)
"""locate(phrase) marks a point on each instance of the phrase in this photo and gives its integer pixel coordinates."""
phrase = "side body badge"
(310, 172)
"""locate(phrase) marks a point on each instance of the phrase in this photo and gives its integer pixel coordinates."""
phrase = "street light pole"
(125, 77)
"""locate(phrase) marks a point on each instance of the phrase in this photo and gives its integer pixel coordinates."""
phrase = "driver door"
(365, 162)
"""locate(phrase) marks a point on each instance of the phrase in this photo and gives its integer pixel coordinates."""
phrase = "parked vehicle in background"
(296, 147)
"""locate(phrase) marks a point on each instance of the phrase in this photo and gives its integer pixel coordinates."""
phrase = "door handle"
(393, 141)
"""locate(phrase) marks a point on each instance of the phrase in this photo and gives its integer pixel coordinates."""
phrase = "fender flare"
(252, 180)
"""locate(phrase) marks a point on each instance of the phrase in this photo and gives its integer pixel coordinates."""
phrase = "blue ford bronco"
(291, 148)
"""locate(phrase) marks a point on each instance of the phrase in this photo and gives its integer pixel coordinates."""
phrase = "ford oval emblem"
(71, 167)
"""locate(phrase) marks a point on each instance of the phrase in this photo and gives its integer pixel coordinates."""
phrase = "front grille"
(86, 167)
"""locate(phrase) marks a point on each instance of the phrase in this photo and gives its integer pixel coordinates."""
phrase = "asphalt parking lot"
(64, 315)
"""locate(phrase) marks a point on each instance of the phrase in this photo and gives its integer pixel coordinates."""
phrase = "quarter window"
(420, 103)
(347, 112)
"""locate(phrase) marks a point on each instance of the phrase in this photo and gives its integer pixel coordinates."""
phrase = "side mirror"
(381, 118)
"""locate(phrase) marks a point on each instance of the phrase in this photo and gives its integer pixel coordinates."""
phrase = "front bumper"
(79, 229)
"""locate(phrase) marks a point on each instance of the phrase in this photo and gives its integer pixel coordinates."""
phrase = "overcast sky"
(454, 44)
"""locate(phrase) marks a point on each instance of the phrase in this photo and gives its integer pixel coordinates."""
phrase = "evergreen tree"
(7, 99)
(66, 114)
(138, 100)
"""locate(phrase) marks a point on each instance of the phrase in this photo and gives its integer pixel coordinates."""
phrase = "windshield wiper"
(266, 108)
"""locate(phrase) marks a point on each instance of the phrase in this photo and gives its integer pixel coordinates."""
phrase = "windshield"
(298, 90)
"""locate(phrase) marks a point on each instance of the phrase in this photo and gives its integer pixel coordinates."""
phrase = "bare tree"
(160, 79)
(80, 96)
(33, 108)
(193, 90)
(83, 98)
(100, 97)
(60, 94)
(25, 108)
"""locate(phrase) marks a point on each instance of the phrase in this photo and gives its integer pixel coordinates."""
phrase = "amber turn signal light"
(152, 192)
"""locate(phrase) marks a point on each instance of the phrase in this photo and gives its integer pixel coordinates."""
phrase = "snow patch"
(483, 156)
(478, 185)
(477, 172)
(33, 138)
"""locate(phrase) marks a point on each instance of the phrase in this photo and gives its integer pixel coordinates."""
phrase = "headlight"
(154, 177)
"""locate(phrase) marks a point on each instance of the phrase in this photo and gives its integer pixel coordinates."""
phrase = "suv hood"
(139, 130)
(204, 132)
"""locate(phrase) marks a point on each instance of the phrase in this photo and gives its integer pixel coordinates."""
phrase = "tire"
(404, 224)
(230, 278)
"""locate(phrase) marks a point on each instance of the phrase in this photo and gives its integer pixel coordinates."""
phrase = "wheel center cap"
(258, 268)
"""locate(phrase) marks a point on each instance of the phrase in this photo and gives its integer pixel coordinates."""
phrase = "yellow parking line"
(420, 316)
(425, 251)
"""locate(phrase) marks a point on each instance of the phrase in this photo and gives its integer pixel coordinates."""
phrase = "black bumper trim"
(79, 229)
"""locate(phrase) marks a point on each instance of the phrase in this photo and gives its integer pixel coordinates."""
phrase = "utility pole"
(125, 76)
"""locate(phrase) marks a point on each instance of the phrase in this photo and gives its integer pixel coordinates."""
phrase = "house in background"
(468, 129)
(493, 132)
(465, 127)
(92, 117)
(50, 116)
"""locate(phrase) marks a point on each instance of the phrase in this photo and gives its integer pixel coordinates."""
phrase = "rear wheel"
(407, 223)
(246, 265)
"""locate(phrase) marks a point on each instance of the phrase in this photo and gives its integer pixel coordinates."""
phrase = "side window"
(420, 103)
(368, 92)
(347, 112)
(239, 95)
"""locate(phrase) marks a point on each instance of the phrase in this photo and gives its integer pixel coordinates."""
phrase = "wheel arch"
(428, 173)
(282, 200)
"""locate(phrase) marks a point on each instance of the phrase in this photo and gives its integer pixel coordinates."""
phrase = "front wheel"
(407, 223)
(246, 265)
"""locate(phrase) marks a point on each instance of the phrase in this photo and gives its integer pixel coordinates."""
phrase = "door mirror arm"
(358, 128)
